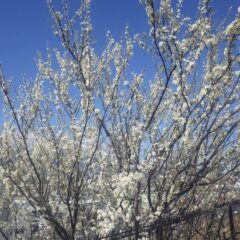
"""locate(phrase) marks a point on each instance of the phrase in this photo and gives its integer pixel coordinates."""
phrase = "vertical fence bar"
(231, 222)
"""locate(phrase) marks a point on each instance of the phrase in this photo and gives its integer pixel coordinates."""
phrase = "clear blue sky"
(25, 27)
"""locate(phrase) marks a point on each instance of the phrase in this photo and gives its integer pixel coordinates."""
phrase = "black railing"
(220, 222)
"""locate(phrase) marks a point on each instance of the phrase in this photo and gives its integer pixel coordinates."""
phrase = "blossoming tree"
(87, 149)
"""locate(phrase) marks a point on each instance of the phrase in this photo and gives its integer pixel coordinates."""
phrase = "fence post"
(231, 221)
(159, 233)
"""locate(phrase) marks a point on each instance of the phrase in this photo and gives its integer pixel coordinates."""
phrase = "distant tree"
(88, 149)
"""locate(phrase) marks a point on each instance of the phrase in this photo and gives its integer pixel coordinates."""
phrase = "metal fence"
(220, 222)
